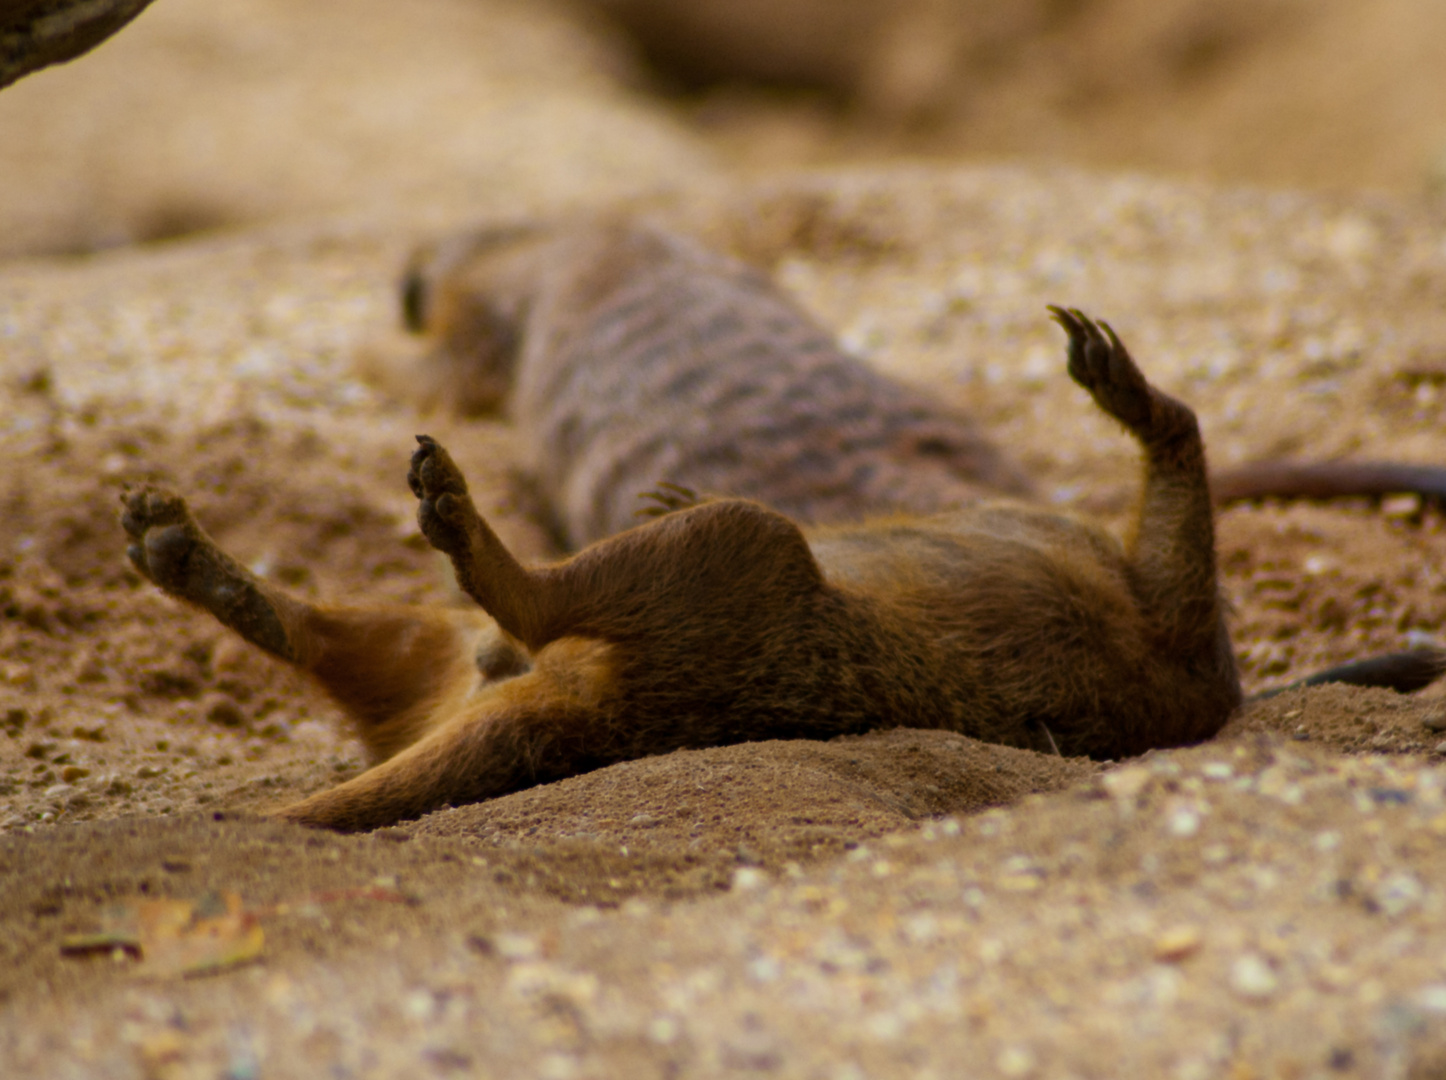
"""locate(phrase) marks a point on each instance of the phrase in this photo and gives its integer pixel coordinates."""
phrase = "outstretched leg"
(558, 720)
(711, 560)
(169, 547)
(1172, 554)
(518, 598)
(391, 668)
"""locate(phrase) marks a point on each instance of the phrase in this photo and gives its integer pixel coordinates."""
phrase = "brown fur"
(725, 622)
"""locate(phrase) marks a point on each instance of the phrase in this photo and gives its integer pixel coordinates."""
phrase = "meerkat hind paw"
(173, 551)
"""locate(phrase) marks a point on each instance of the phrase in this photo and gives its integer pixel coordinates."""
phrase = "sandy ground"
(801, 909)
(903, 904)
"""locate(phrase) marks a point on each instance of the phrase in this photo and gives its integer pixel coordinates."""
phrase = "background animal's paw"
(445, 508)
(163, 535)
(669, 497)
(1099, 362)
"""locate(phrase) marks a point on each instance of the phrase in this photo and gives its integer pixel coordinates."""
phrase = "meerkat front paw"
(1100, 363)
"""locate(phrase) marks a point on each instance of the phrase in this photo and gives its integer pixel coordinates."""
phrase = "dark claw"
(443, 506)
(1100, 363)
(432, 472)
(426, 444)
(669, 497)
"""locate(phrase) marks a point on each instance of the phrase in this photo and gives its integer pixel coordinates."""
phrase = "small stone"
(1126, 783)
(71, 773)
(1433, 997)
(1015, 1061)
(1441, 747)
(150, 772)
(15, 721)
(747, 878)
(1404, 505)
(752, 1051)
(1177, 943)
(1184, 820)
(1251, 977)
(1399, 893)
(1435, 720)
(160, 1049)
(516, 947)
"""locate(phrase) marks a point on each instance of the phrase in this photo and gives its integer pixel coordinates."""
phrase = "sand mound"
(693, 815)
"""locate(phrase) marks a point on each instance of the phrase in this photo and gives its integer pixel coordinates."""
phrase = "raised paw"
(445, 508)
(171, 549)
(1100, 363)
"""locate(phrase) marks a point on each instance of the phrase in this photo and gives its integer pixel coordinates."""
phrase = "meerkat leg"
(1172, 551)
(714, 557)
(518, 598)
(389, 667)
(170, 548)
(555, 721)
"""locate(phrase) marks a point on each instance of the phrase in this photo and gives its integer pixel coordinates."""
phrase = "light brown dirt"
(903, 904)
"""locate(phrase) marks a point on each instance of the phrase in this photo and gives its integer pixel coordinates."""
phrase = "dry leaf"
(176, 937)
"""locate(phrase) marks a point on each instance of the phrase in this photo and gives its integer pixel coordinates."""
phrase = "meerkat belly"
(972, 601)
(949, 551)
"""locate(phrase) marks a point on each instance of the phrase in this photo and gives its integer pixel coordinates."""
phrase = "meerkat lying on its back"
(726, 622)
(627, 357)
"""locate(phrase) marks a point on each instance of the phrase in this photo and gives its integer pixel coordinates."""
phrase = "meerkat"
(885, 569)
(725, 622)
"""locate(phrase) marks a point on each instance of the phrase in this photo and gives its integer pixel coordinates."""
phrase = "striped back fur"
(629, 356)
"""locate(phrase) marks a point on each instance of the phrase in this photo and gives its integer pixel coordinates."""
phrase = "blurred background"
(200, 115)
